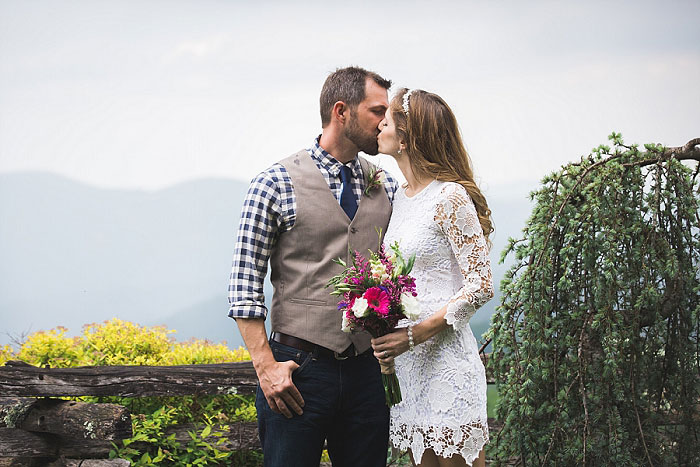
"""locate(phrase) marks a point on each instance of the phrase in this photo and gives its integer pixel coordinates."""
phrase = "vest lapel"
(310, 166)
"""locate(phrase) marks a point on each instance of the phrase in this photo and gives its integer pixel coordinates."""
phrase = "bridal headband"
(405, 100)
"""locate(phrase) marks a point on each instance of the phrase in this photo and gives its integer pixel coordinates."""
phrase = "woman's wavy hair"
(434, 146)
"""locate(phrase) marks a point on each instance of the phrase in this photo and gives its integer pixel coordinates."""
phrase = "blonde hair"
(434, 146)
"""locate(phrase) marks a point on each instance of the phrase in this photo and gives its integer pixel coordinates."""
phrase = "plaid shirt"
(268, 210)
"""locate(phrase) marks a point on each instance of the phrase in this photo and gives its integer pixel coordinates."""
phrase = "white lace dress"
(443, 382)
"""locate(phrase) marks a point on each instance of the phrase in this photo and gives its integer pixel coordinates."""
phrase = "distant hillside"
(72, 254)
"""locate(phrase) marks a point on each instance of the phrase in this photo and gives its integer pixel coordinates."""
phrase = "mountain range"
(72, 254)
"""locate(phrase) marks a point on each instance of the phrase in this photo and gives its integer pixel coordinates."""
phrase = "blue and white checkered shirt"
(268, 210)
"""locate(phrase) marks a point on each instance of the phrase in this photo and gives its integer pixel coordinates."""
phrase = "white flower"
(410, 306)
(360, 307)
(346, 324)
(378, 271)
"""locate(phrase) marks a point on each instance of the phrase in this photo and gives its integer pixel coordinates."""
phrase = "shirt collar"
(330, 163)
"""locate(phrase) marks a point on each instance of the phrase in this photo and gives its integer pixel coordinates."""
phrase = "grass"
(491, 400)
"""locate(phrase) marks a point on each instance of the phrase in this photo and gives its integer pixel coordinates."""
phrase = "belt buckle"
(340, 356)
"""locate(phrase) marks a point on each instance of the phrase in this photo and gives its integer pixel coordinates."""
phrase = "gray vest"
(302, 258)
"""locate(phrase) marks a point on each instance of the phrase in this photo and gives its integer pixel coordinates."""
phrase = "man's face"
(362, 128)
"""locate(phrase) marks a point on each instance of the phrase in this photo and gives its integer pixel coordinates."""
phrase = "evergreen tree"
(596, 341)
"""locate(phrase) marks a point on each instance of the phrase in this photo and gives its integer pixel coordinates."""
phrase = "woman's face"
(388, 140)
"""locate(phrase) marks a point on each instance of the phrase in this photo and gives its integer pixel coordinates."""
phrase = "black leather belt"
(306, 346)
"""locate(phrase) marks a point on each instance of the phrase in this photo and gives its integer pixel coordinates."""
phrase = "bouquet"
(377, 292)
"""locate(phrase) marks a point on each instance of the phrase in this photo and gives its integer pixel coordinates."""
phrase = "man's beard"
(365, 142)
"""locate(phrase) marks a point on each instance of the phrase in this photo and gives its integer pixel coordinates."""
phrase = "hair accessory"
(405, 100)
(410, 338)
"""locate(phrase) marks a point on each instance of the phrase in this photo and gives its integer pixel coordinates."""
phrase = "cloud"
(106, 93)
(205, 47)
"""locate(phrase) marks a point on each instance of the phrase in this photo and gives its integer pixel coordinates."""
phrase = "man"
(316, 383)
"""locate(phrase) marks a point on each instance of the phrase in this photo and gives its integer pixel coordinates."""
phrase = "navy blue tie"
(347, 198)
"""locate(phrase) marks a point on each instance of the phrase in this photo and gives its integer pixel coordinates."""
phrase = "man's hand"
(275, 377)
(281, 393)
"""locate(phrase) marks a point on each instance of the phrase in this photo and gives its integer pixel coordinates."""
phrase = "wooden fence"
(36, 429)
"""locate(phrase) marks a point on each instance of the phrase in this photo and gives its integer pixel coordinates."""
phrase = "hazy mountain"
(72, 254)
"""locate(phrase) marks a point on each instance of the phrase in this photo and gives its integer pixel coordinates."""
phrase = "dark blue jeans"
(344, 405)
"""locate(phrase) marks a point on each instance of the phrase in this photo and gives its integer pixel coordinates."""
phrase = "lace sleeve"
(457, 219)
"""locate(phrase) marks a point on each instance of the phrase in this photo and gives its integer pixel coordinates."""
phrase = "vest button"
(353, 230)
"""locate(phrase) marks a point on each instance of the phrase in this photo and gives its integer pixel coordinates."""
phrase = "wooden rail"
(38, 430)
(20, 379)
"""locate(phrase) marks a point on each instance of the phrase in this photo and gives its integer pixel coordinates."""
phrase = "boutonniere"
(375, 179)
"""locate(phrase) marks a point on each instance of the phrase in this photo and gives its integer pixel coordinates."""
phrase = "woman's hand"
(390, 346)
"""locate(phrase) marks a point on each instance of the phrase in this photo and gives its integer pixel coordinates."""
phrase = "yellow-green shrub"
(202, 351)
(51, 348)
(6, 353)
(117, 342)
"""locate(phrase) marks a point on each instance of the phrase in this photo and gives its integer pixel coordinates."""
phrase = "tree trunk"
(67, 418)
(20, 443)
(90, 463)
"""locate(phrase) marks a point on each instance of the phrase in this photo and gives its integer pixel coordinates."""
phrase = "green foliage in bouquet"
(119, 342)
(596, 341)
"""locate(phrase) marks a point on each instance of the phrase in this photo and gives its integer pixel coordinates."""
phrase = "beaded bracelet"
(410, 338)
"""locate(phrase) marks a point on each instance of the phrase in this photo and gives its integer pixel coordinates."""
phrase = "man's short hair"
(347, 85)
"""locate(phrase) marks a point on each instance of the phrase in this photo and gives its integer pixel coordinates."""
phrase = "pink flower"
(378, 300)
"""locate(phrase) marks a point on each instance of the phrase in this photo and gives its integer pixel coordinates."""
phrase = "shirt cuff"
(247, 311)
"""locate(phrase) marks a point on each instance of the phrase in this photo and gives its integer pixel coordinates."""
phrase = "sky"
(146, 94)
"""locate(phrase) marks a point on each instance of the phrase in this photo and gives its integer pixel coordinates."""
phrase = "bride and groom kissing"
(318, 384)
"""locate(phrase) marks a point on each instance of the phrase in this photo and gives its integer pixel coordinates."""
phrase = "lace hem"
(466, 441)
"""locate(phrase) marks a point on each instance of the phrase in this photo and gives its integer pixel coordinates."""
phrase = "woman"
(442, 217)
